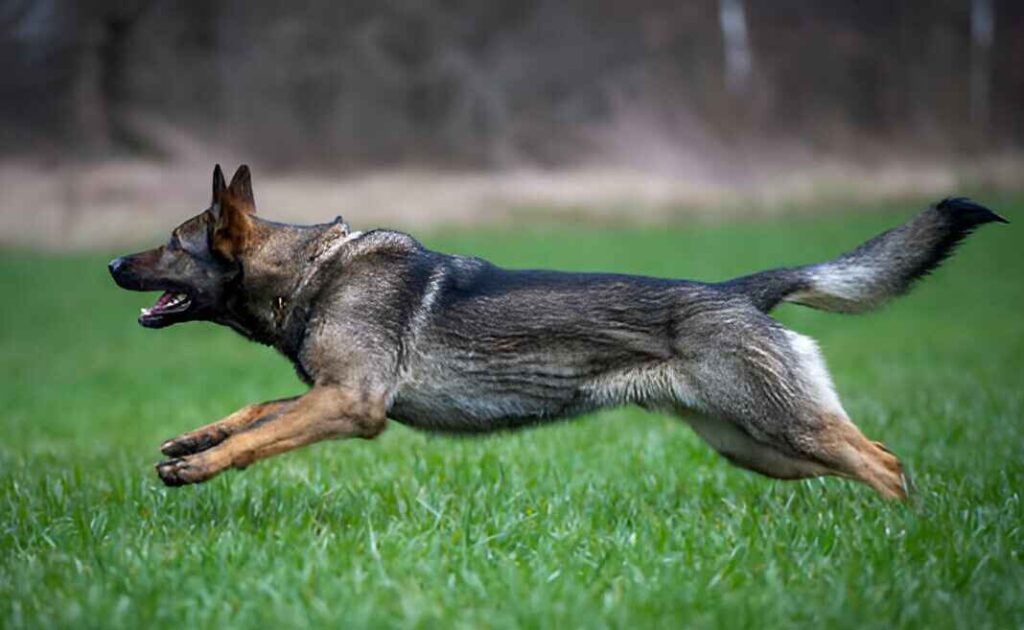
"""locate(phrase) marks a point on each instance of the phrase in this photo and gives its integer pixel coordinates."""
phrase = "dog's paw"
(180, 471)
(193, 442)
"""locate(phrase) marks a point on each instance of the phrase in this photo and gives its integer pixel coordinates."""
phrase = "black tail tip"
(964, 210)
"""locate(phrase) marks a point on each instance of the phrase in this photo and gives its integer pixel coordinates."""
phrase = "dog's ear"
(240, 189)
(231, 229)
(232, 225)
(218, 184)
(232, 207)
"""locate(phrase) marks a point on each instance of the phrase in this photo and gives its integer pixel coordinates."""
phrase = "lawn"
(622, 519)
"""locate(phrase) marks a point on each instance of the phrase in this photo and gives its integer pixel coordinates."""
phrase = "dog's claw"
(174, 448)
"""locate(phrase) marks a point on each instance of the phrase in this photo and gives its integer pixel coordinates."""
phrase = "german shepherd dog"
(380, 327)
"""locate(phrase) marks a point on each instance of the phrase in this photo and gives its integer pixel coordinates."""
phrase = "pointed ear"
(241, 188)
(232, 227)
(218, 184)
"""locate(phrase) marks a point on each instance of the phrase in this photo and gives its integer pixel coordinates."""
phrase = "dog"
(380, 328)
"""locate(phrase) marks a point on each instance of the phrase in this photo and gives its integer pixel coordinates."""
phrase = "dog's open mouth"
(167, 304)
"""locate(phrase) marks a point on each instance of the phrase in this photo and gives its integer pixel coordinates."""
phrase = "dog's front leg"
(214, 433)
(322, 413)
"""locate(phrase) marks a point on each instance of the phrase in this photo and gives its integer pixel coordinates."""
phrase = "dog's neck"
(272, 297)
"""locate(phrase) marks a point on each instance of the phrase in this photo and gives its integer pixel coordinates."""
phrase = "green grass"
(623, 519)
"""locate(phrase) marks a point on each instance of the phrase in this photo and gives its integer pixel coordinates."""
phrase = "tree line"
(457, 83)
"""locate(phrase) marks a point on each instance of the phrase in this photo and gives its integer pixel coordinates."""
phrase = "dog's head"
(197, 267)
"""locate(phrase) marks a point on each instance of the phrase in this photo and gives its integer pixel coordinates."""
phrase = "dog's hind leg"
(824, 432)
(214, 433)
(742, 450)
(841, 446)
(322, 413)
(769, 406)
(835, 446)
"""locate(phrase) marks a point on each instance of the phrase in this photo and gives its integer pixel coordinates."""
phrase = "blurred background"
(419, 113)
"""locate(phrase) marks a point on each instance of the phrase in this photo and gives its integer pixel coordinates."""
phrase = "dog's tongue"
(163, 301)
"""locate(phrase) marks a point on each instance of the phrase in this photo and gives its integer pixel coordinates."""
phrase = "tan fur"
(836, 448)
(216, 432)
(234, 228)
(322, 413)
(849, 454)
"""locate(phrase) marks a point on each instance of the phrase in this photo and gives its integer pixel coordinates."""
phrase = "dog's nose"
(114, 265)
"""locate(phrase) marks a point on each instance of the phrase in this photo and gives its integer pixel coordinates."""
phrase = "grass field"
(623, 519)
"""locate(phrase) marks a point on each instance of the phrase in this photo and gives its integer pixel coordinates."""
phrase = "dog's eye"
(174, 244)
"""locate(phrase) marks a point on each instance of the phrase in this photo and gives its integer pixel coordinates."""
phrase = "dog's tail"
(879, 270)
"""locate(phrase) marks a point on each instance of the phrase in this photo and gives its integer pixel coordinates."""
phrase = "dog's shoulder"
(381, 243)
